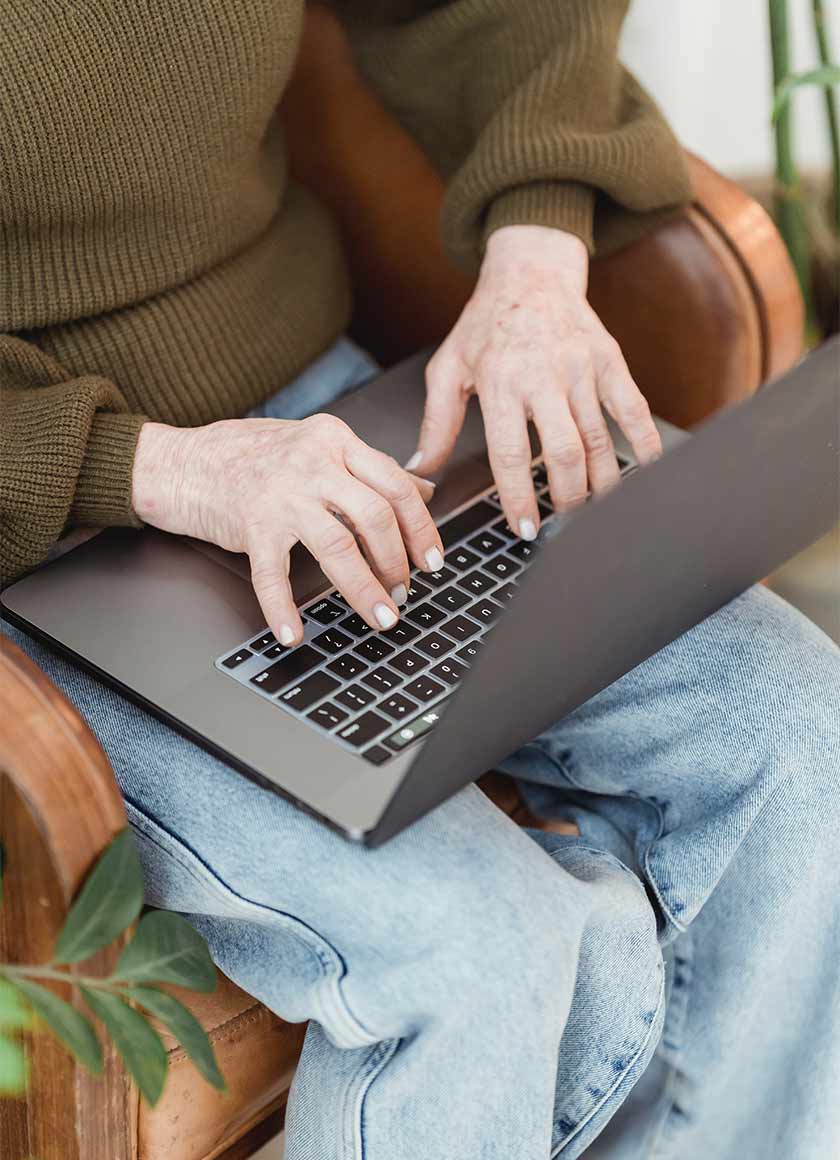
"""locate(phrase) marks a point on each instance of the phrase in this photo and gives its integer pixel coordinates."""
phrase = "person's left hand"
(532, 348)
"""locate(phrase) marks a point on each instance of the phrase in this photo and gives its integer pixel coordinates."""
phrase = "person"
(660, 982)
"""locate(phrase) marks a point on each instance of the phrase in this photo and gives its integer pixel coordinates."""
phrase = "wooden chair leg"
(259, 1135)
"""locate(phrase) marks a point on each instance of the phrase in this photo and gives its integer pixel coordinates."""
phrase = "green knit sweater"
(156, 262)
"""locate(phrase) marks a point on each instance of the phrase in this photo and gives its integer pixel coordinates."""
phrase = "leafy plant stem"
(789, 212)
(9, 972)
(824, 52)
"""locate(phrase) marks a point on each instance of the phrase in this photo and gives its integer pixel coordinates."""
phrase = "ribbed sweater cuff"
(103, 491)
(563, 205)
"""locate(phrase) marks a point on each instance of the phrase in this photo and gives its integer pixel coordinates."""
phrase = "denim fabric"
(477, 992)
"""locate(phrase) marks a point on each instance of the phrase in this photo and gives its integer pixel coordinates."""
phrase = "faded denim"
(477, 992)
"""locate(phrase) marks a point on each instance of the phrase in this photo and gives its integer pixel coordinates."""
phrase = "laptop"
(370, 730)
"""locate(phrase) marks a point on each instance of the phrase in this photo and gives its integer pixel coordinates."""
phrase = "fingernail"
(527, 529)
(414, 462)
(399, 595)
(287, 636)
(434, 560)
(384, 616)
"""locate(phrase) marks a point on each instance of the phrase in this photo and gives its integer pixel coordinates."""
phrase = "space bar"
(469, 521)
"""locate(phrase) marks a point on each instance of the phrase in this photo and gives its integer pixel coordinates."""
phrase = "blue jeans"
(664, 985)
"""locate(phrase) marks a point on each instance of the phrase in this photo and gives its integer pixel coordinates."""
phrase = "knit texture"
(156, 262)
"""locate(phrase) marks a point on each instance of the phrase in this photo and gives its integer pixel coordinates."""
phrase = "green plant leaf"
(14, 1014)
(825, 76)
(137, 1042)
(109, 901)
(66, 1023)
(166, 949)
(184, 1026)
(13, 1069)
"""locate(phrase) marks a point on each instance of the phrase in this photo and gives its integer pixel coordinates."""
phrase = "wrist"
(514, 249)
(158, 492)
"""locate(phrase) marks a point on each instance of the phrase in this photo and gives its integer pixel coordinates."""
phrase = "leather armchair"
(706, 309)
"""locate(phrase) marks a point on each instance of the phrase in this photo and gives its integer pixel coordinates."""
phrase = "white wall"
(707, 62)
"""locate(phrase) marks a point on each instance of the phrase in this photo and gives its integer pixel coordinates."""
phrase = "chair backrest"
(706, 307)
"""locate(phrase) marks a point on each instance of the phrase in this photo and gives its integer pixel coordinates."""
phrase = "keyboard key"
(410, 731)
(382, 680)
(503, 567)
(363, 729)
(293, 666)
(341, 599)
(424, 689)
(459, 628)
(451, 599)
(506, 592)
(476, 583)
(408, 662)
(276, 650)
(485, 610)
(377, 755)
(417, 591)
(397, 707)
(356, 625)
(546, 512)
(325, 611)
(449, 671)
(332, 641)
(313, 689)
(461, 559)
(237, 658)
(539, 475)
(401, 633)
(426, 615)
(486, 543)
(347, 666)
(438, 579)
(523, 550)
(355, 697)
(503, 528)
(374, 649)
(469, 521)
(434, 645)
(493, 497)
(263, 641)
(469, 652)
(327, 715)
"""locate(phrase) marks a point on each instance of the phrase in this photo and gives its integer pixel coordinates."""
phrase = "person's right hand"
(260, 485)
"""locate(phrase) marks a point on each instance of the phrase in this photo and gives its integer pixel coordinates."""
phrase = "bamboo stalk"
(788, 198)
(824, 52)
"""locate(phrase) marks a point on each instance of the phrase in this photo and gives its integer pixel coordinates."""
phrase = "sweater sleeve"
(66, 454)
(527, 112)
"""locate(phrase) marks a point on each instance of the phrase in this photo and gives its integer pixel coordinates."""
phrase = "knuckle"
(564, 455)
(509, 456)
(636, 409)
(378, 516)
(336, 542)
(328, 426)
(597, 439)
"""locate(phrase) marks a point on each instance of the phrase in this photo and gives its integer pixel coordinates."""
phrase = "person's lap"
(685, 778)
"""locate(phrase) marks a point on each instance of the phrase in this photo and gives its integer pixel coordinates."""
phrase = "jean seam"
(659, 1139)
(357, 1091)
(331, 972)
(596, 1107)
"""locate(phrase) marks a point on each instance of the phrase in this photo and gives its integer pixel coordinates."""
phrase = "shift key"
(291, 668)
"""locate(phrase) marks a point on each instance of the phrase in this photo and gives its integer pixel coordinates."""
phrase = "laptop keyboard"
(377, 692)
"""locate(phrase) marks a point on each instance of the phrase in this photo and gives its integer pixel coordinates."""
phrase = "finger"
(628, 406)
(416, 525)
(601, 463)
(269, 556)
(425, 486)
(334, 547)
(509, 450)
(375, 523)
(563, 452)
(443, 417)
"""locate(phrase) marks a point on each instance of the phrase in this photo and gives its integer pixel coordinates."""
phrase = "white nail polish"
(527, 529)
(287, 637)
(384, 616)
(434, 560)
(415, 461)
(399, 595)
